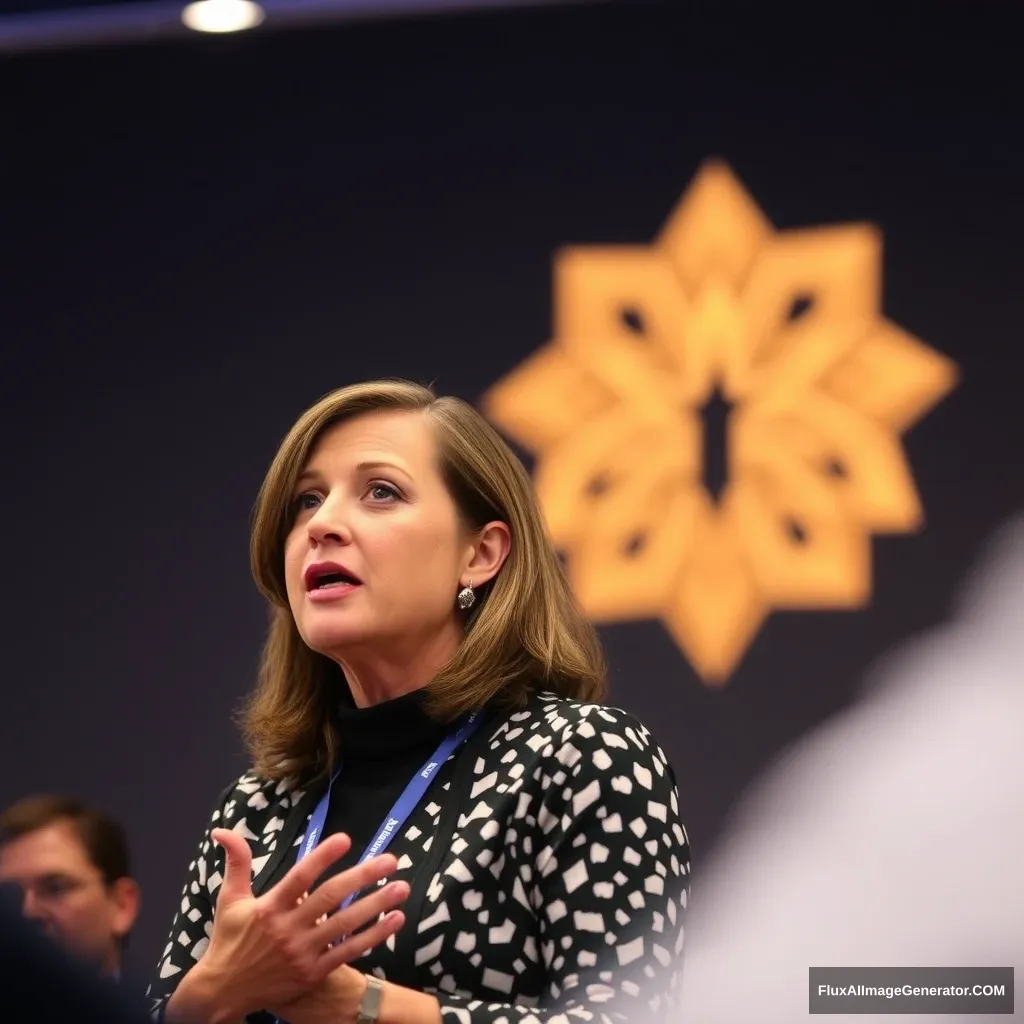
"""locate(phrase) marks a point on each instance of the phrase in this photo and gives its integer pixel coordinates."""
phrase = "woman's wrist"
(200, 998)
(353, 993)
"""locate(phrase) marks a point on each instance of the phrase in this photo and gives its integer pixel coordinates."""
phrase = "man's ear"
(126, 898)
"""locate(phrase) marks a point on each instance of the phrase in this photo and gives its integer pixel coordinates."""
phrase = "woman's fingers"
(237, 866)
(329, 896)
(351, 919)
(355, 946)
(301, 877)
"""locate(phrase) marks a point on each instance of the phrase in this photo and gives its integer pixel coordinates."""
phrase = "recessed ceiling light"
(222, 15)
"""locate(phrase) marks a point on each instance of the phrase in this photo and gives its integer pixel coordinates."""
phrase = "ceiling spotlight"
(222, 15)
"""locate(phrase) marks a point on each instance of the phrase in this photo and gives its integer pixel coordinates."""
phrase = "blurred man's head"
(70, 866)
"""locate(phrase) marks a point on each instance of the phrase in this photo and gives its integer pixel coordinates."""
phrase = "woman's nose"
(329, 524)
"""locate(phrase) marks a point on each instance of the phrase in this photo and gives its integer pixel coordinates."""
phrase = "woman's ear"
(490, 549)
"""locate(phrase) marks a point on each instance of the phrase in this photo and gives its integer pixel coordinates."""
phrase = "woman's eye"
(307, 501)
(383, 492)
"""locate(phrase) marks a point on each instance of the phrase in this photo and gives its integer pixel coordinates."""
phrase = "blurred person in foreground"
(68, 866)
(429, 716)
(42, 983)
(892, 836)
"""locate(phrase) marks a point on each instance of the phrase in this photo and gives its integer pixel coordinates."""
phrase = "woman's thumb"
(237, 882)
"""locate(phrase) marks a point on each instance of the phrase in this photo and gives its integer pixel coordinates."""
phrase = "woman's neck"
(375, 676)
(395, 733)
(368, 689)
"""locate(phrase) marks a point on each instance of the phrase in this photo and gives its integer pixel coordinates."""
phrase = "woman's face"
(376, 552)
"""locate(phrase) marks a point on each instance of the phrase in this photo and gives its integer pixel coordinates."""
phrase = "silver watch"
(369, 1005)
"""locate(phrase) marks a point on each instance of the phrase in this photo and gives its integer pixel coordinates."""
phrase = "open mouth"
(329, 577)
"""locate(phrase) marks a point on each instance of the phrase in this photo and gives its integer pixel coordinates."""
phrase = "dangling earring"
(466, 598)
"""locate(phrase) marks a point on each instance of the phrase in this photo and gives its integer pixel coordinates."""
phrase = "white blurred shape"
(891, 836)
(222, 15)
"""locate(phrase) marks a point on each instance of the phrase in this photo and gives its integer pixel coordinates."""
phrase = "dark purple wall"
(199, 240)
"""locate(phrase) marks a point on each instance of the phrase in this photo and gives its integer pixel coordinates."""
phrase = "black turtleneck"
(382, 747)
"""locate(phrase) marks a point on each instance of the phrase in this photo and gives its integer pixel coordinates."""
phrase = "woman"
(426, 735)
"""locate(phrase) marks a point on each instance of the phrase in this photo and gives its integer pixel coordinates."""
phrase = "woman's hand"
(334, 1001)
(268, 950)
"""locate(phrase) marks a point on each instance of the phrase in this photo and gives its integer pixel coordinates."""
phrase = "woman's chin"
(334, 642)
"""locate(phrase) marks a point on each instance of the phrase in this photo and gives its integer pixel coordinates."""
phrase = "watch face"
(369, 1006)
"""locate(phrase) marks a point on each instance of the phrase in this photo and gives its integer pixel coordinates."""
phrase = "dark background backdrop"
(199, 239)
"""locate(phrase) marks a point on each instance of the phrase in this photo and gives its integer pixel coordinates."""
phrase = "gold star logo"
(777, 337)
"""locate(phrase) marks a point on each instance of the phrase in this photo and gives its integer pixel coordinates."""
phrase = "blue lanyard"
(405, 804)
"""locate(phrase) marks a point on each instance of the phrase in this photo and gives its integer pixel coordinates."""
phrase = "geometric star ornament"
(782, 333)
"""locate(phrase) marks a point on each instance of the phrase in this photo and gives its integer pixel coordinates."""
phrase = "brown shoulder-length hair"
(524, 633)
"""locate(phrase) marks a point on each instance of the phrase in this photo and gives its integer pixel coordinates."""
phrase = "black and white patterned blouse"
(548, 866)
